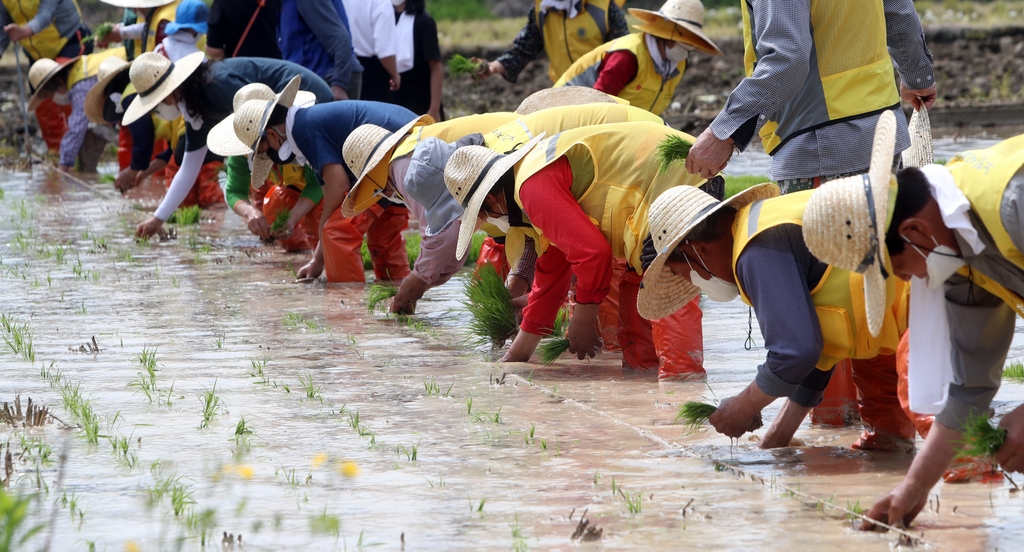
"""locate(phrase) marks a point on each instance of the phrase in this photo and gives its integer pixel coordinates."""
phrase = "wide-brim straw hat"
(673, 216)
(41, 72)
(677, 20)
(97, 96)
(235, 136)
(920, 152)
(155, 77)
(844, 221)
(365, 152)
(563, 96)
(470, 174)
(137, 3)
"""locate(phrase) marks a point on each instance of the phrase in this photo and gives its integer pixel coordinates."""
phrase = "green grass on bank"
(736, 184)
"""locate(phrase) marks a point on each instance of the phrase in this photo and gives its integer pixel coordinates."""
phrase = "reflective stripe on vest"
(982, 175)
(850, 73)
(627, 177)
(47, 43)
(839, 296)
(89, 66)
(452, 130)
(567, 40)
(648, 90)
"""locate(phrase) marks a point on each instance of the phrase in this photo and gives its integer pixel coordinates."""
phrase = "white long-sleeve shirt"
(372, 25)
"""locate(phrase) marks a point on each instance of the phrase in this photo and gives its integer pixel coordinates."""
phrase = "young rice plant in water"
(492, 316)
(377, 294)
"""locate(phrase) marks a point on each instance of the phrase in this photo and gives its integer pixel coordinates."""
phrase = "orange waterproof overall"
(343, 241)
(206, 190)
(306, 233)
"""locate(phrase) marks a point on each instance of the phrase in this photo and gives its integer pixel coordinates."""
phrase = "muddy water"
(214, 301)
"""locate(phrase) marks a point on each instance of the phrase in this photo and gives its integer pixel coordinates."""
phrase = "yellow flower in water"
(130, 546)
(319, 459)
(348, 469)
(245, 471)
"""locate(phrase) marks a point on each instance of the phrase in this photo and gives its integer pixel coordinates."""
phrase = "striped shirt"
(78, 122)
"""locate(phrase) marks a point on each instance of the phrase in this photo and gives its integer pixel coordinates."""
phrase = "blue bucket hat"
(191, 14)
(424, 181)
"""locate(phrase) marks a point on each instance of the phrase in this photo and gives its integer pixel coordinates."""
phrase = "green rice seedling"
(459, 65)
(1014, 370)
(325, 524)
(529, 434)
(72, 504)
(155, 493)
(518, 539)
(552, 347)
(980, 438)
(18, 336)
(353, 419)
(242, 428)
(412, 247)
(492, 316)
(258, 364)
(448, 392)
(211, 404)
(280, 221)
(185, 215)
(201, 524)
(478, 507)
(634, 502)
(672, 149)
(312, 391)
(181, 497)
(101, 32)
(854, 507)
(60, 252)
(289, 476)
(469, 406)
(431, 387)
(377, 294)
(695, 414)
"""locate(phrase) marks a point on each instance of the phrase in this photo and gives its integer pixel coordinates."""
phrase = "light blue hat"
(191, 14)
(424, 181)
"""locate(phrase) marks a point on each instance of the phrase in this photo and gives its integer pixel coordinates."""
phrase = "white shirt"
(372, 26)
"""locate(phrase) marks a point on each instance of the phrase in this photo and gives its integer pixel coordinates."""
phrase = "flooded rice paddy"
(204, 393)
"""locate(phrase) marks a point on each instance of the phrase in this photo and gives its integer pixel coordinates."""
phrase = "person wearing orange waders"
(811, 314)
(585, 193)
(645, 69)
(286, 187)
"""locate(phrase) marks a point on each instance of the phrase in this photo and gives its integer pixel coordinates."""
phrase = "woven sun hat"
(563, 96)
(677, 20)
(231, 138)
(155, 77)
(137, 3)
(844, 221)
(41, 72)
(470, 174)
(672, 217)
(365, 152)
(920, 152)
(97, 96)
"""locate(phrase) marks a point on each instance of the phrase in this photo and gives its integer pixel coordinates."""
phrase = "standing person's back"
(419, 60)
(372, 23)
(229, 20)
(315, 34)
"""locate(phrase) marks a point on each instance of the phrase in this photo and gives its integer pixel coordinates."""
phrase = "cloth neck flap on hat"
(664, 67)
(875, 252)
(953, 205)
(289, 146)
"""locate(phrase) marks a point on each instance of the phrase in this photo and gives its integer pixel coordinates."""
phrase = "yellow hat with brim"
(672, 217)
(41, 72)
(155, 77)
(97, 96)
(365, 152)
(470, 174)
(677, 20)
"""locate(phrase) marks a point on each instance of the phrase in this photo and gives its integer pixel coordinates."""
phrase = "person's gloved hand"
(648, 253)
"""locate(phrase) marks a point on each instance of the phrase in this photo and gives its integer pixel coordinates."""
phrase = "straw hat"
(137, 3)
(155, 77)
(365, 152)
(229, 139)
(97, 96)
(563, 96)
(681, 20)
(470, 174)
(672, 217)
(39, 74)
(844, 222)
(919, 153)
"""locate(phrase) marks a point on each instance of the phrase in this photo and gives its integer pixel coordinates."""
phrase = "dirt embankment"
(979, 73)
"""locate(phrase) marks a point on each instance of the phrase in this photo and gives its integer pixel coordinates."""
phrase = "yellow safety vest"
(648, 90)
(89, 66)
(626, 179)
(291, 174)
(47, 43)
(851, 75)
(451, 130)
(567, 40)
(982, 175)
(839, 296)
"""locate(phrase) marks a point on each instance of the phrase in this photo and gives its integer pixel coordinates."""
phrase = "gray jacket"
(62, 13)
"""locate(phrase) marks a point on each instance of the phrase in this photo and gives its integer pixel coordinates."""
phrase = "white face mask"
(716, 289)
(942, 262)
(61, 98)
(678, 53)
(501, 223)
(167, 112)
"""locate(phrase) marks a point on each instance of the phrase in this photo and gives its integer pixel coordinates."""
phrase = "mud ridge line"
(905, 537)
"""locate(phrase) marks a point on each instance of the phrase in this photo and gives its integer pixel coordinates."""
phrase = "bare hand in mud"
(523, 346)
(1011, 455)
(918, 97)
(412, 288)
(148, 227)
(126, 180)
(899, 507)
(584, 339)
(709, 155)
(734, 417)
(257, 224)
(312, 269)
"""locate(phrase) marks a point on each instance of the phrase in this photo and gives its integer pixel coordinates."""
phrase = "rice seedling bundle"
(186, 215)
(377, 294)
(553, 346)
(980, 438)
(280, 221)
(695, 414)
(492, 316)
(672, 149)
(101, 32)
(459, 65)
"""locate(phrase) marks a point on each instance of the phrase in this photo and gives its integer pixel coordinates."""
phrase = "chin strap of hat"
(874, 253)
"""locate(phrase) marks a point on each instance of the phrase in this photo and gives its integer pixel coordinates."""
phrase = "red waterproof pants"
(205, 191)
(306, 233)
(493, 253)
(53, 123)
(343, 241)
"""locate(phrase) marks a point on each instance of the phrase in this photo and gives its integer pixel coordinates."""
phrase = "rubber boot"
(387, 245)
(124, 148)
(838, 407)
(635, 333)
(608, 313)
(53, 123)
(342, 245)
(886, 426)
(679, 341)
(493, 253)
